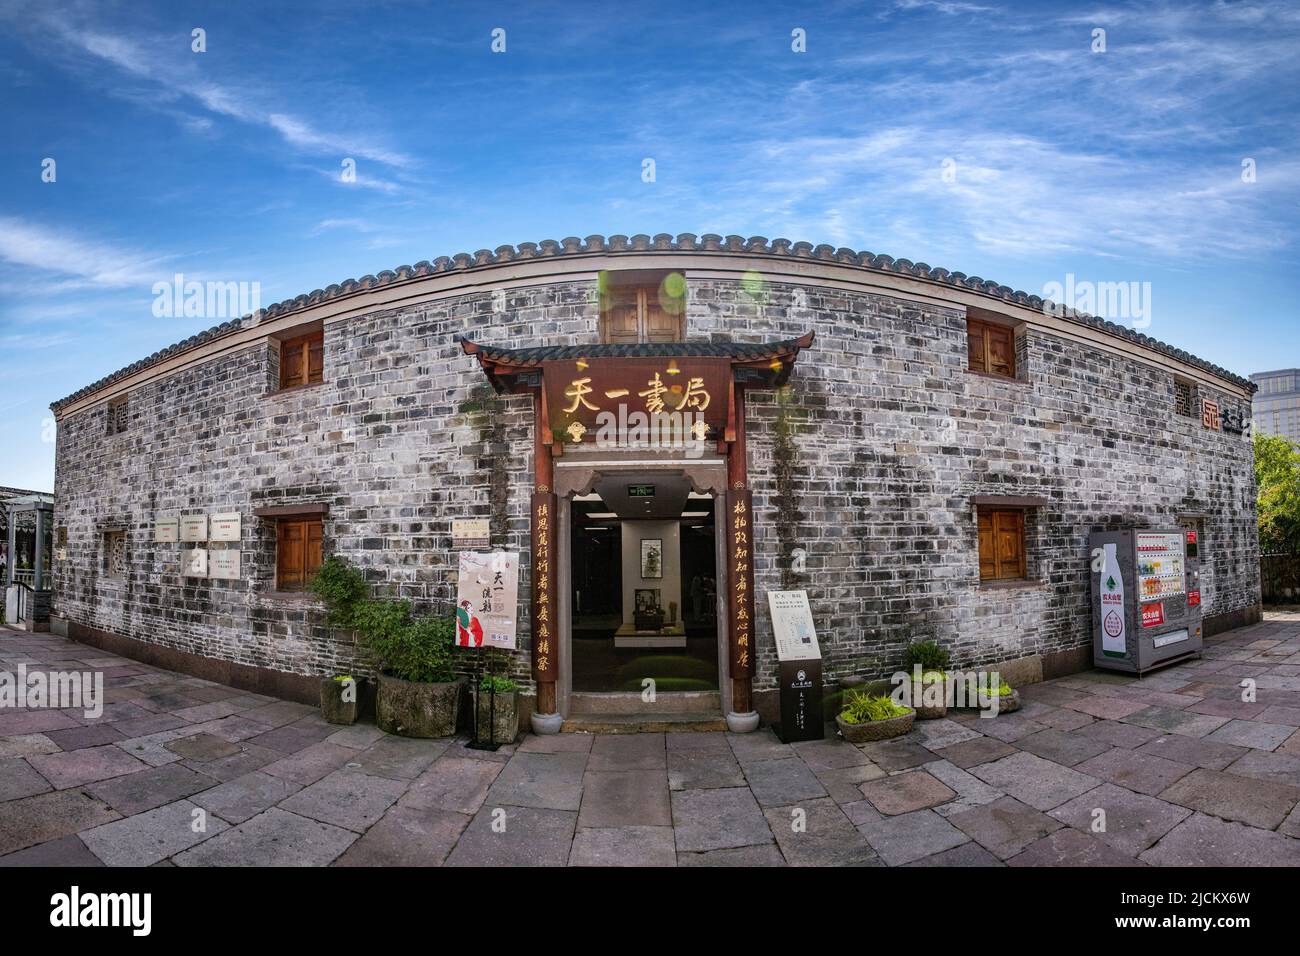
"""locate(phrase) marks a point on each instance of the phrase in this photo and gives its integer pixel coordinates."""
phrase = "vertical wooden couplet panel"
(740, 585)
(544, 576)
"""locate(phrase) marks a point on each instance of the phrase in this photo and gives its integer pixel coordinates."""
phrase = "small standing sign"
(800, 669)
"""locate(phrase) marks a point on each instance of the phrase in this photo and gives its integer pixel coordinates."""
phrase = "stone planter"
(409, 709)
(932, 712)
(1009, 704)
(503, 715)
(876, 729)
(333, 707)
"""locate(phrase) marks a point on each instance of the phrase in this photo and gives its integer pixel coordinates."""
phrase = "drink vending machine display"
(1146, 598)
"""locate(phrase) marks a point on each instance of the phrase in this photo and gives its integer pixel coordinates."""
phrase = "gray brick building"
(928, 463)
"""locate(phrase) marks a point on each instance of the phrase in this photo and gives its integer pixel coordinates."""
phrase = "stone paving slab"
(1203, 840)
(1005, 826)
(245, 797)
(703, 769)
(1176, 721)
(346, 798)
(1193, 751)
(1141, 772)
(1261, 803)
(18, 779)
(1251, 733)
(628, 752)
(541, 781)
(817, 833)
(274, 837)
(315, 762)
(1071, 847)
(1264, 765)
(148, 789)
(745, 856)
(522, 836)
(906, 792)
(1035, 781)
(452, 782)
(1062, 747)
(911, 836)
(969, 753)
(782, 781)
(624, 846)
(65, 851)
(407, 837)
(79, 767)
(146, 838)
(718, 819)
(1130, 822)
(613, 799)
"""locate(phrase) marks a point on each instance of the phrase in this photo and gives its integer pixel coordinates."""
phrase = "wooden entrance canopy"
(703, 382)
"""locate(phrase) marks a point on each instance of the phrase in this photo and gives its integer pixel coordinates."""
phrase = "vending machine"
(1146, 598)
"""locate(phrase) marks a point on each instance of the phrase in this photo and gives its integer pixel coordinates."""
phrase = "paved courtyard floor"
(1096, 769)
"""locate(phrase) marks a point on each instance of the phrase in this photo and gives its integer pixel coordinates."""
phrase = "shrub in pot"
(419, 692)
(498, 709)
(1003, 697)
(927, 662)
(339, 699)
(866, 718)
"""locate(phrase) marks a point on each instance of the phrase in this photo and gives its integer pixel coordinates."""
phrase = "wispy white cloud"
(73, 261)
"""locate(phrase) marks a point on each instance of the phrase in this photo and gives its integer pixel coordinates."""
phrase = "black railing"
(1279, 576)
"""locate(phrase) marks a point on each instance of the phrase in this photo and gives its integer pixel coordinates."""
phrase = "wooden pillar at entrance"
(544, 570)
(740, 564)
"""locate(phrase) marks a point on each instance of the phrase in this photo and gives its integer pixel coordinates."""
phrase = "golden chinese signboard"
(584, 395)
(740, 581)
(545, 633)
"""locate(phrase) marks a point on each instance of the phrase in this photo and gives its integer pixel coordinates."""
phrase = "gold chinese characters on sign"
(740, 582)
(1210, 414)
(543, 574)
(580, 392)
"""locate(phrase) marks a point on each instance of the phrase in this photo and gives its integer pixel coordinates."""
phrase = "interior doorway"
(643, 586)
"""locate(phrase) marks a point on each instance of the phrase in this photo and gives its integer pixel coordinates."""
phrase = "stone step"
(643, 723)
(682, 702)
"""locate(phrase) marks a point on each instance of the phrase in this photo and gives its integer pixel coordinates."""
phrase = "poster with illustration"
(792, 626)
(487, 599)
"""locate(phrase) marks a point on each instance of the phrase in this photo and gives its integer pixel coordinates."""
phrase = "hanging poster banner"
(792, 626)
(487, 600)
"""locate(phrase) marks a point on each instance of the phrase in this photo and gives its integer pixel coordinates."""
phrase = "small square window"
(991, 348)
(298, 552)
(1185, 398)
(638, 306)
(1002, 544)
(302, 360)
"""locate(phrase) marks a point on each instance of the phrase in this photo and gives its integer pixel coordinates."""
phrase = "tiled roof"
(663, 242)
(744, 351)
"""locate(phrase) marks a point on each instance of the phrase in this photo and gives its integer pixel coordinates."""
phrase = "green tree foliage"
(1277, 475)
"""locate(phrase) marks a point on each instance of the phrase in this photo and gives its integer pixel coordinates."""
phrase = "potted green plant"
(866, 718)
(1002, 699)
(498, 709)
(418, 691)
(927, 662)
(338, 699)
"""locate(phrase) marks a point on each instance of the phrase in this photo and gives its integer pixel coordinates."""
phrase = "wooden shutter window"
(634, 314)
(302, 360)
(1001, 545)
(990, 348)
(298, 550)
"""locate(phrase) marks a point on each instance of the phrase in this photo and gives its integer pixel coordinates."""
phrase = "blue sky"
(1122, 165)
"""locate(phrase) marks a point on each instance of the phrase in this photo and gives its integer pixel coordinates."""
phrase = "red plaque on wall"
(543, 589)
(740, 582)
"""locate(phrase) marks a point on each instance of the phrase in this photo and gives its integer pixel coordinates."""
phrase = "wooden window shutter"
(315, 358)
(289, 553)
(620, 323)
(291, 371)
(1002, 351)
(975, 347)
(988, 561)
(660, 324)
(312, 549)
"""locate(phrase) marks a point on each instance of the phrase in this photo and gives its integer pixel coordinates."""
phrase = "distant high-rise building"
(1276, 406)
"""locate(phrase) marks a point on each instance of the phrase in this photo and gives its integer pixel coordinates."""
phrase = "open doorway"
(643, 586)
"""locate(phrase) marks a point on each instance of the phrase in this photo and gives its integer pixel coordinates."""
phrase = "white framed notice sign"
(224, 565)
(194, 527)
(194, 562)
(469, 533)
(167, 530)
(792, 625)
(224, 527)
